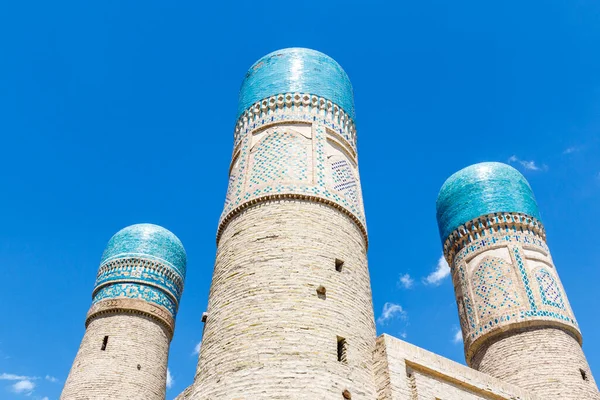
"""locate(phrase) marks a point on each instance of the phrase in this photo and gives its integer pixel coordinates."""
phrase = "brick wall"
(132, 367)
(269, 334)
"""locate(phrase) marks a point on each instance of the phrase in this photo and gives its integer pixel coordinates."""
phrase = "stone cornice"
(132, 306)
(491, 224)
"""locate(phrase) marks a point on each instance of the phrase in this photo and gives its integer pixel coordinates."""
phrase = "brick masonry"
(269, 334)
(132, 367)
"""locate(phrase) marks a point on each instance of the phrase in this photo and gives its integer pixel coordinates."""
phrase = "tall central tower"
(290, 311)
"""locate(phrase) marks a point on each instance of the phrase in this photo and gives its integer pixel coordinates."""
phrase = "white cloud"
(24, 387)
(403, 334)
(457, 337)
(170, 380)
(51, 379)
(572, 149)
(13, 377)
(197, 348)
(441, 272)
(45, 398)
(529, 165)
(406, 281)
(391, 311)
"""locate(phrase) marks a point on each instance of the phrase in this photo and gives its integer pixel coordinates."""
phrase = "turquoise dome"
(296, 70)
(482, 189)
(148, 240)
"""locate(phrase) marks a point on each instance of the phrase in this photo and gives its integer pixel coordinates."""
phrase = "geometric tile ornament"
(285, 89)
(143, 262)
(549, 289)
(493, 287)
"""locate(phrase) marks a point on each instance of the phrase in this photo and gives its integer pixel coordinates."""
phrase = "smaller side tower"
(516, 320)
(124, 352)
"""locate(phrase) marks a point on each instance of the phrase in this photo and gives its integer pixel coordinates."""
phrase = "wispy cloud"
(197, 348)
(23, 387)
(51, 379)
(45, 398)
(405, 281)
(13, 377)
(457, 337)
(572, 149)
(442, 271)
(528, 165)
(170, 380)
(391, 311)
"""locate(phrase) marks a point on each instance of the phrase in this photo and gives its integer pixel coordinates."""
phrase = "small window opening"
(342, 350)
(339, 265)
(583, 374)
(104, 342)
(346, 394)
(322, 292)
(139, 367)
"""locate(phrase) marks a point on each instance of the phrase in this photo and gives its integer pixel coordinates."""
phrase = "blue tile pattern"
(493, 286)
(136, 291)
(280, 156)
(482, 189)
(280, 164)
(296, 70)
(144, 262)
(549, 290)
(496, 283)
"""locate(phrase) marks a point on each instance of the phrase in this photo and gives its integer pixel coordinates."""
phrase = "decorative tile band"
(136, 291)
(495, 292)
(481, 228)
(294, 162)
(296, 107)
(139, 270)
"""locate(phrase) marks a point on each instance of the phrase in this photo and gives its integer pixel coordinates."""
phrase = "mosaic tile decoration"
(549, 290)
(141, 271)
(279, 165)
(466, 299)
(498, 291)
(482, 189)
(142, 261)
(296, 70)
(136, 291)
(280, 156)
(494, 287)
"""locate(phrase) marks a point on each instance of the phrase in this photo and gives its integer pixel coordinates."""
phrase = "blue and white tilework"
(285, 162)
(144, 262)
(502, 288)
(549, 290)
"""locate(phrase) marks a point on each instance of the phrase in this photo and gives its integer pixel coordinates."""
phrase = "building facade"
(290, 313)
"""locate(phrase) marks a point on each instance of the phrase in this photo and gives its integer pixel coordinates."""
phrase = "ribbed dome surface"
(482, 189)
(296, 70)
(147, 240)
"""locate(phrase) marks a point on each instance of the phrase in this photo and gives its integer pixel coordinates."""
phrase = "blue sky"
(114, 113)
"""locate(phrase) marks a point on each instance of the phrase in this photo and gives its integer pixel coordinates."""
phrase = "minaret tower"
(124, 352)
(290, 312)
(516, 320)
